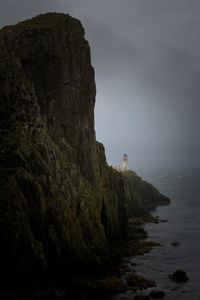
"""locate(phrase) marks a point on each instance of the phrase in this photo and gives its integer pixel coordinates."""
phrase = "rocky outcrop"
(61, 206)
(179, 276)
(141, 195)
(157, 294)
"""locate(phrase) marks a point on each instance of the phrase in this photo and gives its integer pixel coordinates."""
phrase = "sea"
(182, 225)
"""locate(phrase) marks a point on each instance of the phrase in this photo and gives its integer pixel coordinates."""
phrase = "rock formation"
(141, 195)
(61, 206)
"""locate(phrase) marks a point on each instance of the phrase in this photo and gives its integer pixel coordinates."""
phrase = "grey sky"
(146, 55)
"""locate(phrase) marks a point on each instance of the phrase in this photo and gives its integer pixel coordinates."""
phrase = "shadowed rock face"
(60, 204)
(61, 207)
(46, 76)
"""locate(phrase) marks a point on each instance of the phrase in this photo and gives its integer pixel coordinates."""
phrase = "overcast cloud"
(146, 55)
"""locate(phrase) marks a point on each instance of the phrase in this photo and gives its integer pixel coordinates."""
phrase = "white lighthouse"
(125, 162)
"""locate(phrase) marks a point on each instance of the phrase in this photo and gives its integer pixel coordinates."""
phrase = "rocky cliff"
(61, 206)
(141, 195)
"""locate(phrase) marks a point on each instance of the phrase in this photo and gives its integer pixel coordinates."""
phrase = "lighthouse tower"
(125, 163)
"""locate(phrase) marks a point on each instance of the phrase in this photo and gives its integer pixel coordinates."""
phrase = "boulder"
(175, 244)
(179, 276)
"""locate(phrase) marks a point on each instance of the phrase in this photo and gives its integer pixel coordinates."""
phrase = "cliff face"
(60, 203)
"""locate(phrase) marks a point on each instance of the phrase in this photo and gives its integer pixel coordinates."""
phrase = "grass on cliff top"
(128, 173)
(43, 21)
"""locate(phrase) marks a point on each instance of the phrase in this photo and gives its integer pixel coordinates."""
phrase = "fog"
(146, 55)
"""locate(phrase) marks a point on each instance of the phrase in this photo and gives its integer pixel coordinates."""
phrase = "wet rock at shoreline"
(105, 286)
(137, 232)
(140, 282)
(140, 247)
(125, 268)
(179, 276)
(141, 297)
(157, 294)
(175, 244)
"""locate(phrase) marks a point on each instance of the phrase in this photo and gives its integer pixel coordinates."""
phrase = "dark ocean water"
(183, 226)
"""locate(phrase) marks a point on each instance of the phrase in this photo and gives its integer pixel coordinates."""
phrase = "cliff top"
(48, 20)
(128, 173)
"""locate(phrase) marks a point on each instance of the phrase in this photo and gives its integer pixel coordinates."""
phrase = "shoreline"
(119, 279)
(124, 279)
